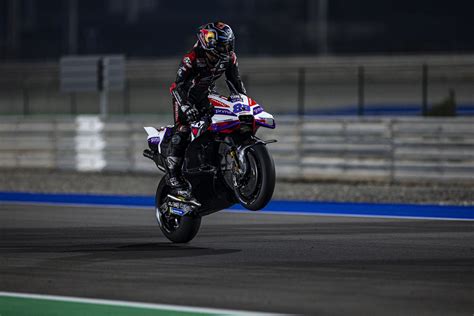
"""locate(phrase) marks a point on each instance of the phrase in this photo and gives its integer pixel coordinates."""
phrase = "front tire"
(178, 229)
(260, 182)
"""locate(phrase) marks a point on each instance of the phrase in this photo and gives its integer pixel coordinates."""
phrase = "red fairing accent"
(218, 103)
(227, 131)
(195, 131)
(234, 58)
(252, 102)
(172, 87)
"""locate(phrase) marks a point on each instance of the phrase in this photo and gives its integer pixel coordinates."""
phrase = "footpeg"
(148, 153)
(183, 200)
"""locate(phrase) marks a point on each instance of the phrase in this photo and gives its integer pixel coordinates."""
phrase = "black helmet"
(217, 38)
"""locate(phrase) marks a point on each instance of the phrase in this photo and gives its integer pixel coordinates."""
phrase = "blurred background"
(47, 29)
(360, 88)
(320, 57)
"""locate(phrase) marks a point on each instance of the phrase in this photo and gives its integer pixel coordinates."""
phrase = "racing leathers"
(195, 78)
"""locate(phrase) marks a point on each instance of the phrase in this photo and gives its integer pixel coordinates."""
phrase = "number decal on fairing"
(239, 107)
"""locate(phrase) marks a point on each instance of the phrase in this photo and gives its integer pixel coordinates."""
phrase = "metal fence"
(398, 85)
(389, 149)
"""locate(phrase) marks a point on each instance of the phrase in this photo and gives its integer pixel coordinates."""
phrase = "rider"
(212, 55)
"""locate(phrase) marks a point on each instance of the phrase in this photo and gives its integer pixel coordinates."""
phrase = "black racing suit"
(195, 78)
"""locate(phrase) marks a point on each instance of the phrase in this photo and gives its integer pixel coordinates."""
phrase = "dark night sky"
(277, 27)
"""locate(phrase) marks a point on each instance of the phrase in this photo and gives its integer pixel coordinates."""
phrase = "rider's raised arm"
(232, 74)
(184, 77)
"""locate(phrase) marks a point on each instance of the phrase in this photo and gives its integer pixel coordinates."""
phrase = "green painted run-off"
(16, 306)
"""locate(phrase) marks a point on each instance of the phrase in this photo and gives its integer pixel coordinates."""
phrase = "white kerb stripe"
(131, 304)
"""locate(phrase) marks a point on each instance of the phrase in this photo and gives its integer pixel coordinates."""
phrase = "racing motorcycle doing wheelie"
(225, 164)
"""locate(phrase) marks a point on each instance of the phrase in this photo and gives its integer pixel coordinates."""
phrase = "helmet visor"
(225, 48)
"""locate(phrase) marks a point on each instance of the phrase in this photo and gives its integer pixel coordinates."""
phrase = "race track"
(297, 264)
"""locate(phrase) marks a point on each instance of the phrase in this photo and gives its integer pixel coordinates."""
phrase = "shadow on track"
(117, 251)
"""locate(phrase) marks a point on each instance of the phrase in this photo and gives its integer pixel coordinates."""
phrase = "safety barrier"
(387, 149)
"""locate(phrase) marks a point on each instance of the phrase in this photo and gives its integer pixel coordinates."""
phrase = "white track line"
(178, 308)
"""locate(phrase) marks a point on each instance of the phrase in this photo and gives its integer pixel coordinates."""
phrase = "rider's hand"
(191, 113)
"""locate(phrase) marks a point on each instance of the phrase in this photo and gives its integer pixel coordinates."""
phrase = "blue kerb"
(371, 209)
(296, 207)
(77, 199)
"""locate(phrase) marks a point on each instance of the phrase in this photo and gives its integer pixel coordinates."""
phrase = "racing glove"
(192, 115)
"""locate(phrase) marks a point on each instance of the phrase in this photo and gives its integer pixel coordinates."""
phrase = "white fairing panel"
(156, 136)
(227, 112)
(226, 117)
(151, 131)
(265, 119)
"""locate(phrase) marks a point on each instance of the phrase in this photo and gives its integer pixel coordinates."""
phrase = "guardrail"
(392, 149)
(309, 148)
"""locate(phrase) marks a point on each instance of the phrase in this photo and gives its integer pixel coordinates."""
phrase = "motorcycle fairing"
(156, 137)
(227, 113)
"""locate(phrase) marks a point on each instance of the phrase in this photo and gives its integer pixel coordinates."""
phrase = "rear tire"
(263, 174)
(178, 229)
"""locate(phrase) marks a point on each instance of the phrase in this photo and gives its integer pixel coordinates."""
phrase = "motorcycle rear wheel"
(178, 229)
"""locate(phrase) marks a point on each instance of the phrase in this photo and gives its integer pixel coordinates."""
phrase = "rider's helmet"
(217, 38)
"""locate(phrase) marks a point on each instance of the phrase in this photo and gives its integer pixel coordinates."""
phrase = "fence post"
(424, 89)
(126, 97)
(102, 65)
(452, 98)
(301, 90)
(73, 100)
(26, 100)
(300, 120)
(392, 149)
(361, 90)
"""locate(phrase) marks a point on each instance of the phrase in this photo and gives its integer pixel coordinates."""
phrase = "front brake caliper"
(235, 160)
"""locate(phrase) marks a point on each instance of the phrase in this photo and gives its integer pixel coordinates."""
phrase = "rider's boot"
(180, 189)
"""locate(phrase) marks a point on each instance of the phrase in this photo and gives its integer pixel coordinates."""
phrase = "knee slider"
(182, 135)
(176, 139)
(179, 142)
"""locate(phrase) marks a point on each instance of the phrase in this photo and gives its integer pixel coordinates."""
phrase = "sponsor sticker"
(257, 110)
(177, 211)
(239, 107)
(223, 112)
(154, 140)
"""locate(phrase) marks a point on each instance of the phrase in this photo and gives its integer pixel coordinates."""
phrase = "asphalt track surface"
(316, 265)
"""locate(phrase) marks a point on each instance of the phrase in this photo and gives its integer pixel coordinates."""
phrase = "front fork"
(239, 162)
(239, 166)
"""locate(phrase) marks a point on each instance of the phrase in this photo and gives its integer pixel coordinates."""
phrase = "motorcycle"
(225, 163)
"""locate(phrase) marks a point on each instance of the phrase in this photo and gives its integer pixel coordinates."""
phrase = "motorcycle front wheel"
(178, 229)
(257, 188)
